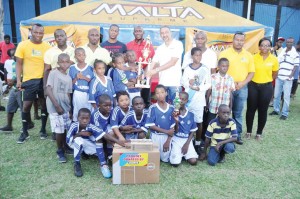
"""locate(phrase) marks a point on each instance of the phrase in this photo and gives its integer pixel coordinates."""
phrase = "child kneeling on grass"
(83, 136)
(221, 133)
(185, 127)
(135, 120)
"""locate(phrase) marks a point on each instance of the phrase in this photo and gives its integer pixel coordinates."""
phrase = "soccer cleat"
(105, 171)
(77, 169)
(43, 135)
(6, 129)
(23, 137)
(61, 156)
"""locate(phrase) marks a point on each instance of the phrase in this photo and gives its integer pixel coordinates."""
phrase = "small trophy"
(176, 102)
(143, 82)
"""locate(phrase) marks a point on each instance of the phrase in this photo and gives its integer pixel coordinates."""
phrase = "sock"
(100, 153)
(197, 143)
(109, 149)
(25, 119)
(44, 116)
(77, 151)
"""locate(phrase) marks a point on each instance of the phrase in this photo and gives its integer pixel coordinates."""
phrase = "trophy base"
(142, 86)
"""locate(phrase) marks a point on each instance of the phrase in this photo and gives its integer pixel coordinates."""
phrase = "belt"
(261, 84)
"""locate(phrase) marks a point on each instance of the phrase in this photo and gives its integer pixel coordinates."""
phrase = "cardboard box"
(138, 166)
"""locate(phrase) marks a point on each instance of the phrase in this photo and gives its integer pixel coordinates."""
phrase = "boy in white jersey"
(185, 128)
(161, 122)
(136, 119)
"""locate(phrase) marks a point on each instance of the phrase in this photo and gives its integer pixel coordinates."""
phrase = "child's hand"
(166, 146)
(171, 132)
(175, 116)
(80, 76)
(59, 110)
(202, 156)
(122, 142)
(127, 128)
(185, 149)
(217, 147)
(85, 133)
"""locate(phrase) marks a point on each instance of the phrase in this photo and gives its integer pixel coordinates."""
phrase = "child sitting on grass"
(84, 136)
(221, 134)
(185, 128)
(135, 120)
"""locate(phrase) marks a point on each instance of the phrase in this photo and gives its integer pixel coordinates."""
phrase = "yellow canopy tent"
(185, 17)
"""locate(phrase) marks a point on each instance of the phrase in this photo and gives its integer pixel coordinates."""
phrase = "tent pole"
(249, 9)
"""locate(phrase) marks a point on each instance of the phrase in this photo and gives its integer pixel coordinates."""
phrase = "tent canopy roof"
(128, 13)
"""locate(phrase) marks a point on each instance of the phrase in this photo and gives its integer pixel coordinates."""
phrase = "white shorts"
(89, 147)
(59, 123)
(160, 140)
(80, 100)
(176, 155)
(198, 113)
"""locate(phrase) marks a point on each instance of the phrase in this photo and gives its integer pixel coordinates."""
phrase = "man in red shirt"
(4, 47)
(138, 45)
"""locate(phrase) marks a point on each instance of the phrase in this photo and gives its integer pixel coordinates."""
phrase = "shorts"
(32, 89)
(80, 100)
(198, 113)
(14, 101)
(88, 146)
(176, 155)
(59, 123)
(160, 140)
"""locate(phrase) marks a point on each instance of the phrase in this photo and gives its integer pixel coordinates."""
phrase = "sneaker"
(53, 137)
(30, 126)
(61, 156)
(6, 129)
(274, 113)
(283, 117)
(43, 135)
(105, 171)
(222, 159)
(239, 141)
(77, 169)
(23, 137)
(248, 136)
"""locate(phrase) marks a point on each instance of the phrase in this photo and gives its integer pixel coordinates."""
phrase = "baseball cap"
(280, 39)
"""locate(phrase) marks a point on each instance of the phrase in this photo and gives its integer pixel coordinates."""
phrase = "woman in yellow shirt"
(260, 89)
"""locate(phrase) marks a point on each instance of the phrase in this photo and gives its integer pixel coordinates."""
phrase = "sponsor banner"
(221, 41)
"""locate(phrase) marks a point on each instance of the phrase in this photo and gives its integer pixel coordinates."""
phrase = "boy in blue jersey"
(161, 122)
(100, 118)
(132, 74)
(81, 74)
(120, 80)
(119, 113)
(221, 134)
(83, 136)
(100, 84)
(136, 119)
(185, 128)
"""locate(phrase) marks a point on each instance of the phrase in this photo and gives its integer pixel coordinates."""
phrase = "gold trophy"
(143, 82)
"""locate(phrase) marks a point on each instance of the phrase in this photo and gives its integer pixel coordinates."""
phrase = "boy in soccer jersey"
(136, 119)
(119, 113)
(81, 74)
(185, 128)
(161, 122)
(100, 84)
(100, 118)
(221, 134)
(84, 136)
(58, 89)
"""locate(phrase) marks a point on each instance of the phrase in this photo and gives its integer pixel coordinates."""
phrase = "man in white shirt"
(166, 62)
(209, 57)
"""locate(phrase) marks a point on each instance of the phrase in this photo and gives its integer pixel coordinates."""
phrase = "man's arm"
(241, 84)
(47, 69)
(19, 71)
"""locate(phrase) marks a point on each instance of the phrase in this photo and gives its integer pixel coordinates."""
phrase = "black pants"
(145, 93)
(2, 71)
(259, 97)
(294, 86)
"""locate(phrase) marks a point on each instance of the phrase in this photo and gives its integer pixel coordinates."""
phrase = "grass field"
(266, 169)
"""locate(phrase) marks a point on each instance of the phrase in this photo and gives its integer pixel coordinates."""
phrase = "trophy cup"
(143, 82)
(176, 102)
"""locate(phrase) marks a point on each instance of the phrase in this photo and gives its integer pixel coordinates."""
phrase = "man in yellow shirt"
(30, 72)
(241, 68)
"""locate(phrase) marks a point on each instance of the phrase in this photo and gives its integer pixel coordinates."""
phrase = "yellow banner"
(77, 34)
(221, 41)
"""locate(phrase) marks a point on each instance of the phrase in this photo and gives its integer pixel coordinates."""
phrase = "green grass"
(269, 169)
